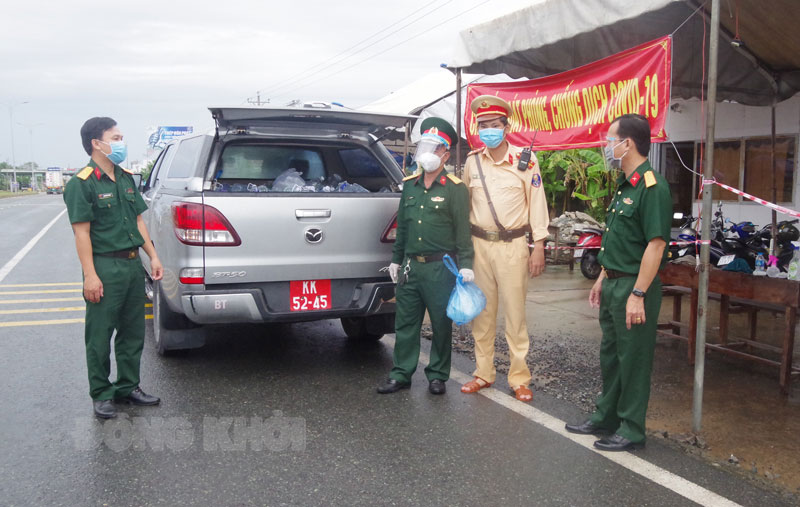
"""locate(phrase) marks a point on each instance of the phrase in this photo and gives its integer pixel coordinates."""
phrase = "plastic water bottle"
(794, 264)
(761, 266)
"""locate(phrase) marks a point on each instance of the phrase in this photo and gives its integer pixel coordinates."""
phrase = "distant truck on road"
(54, 181)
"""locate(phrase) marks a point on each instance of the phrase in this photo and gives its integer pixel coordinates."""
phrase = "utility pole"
(30, 127)
(10, 107)
(258, 101)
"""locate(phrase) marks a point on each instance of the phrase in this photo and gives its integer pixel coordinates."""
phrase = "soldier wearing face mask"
(105, 210)
(432, 220)
(628, 290)
(508, 209)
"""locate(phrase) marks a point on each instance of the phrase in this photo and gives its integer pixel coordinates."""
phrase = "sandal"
(475, 385)
(522, 393)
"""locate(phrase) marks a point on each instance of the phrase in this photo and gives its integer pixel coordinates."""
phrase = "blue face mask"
(119, 151)
(492, 137)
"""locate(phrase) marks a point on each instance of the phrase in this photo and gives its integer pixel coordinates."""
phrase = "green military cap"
(439, 130)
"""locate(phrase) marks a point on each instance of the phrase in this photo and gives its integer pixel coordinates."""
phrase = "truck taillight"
(200, 224)
(390, 234)
(191, 275)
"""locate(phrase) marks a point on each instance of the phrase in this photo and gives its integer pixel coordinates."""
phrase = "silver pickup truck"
(279, 215)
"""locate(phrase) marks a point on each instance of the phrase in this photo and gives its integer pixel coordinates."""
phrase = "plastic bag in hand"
(289, 181)
(466, 300)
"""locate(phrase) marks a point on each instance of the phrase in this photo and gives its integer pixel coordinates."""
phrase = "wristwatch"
(637, 292)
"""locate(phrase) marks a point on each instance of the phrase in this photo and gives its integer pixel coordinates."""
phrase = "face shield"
(429, 153)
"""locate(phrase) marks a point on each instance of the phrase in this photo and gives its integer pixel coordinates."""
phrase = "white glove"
(394, 269)
(467, 275)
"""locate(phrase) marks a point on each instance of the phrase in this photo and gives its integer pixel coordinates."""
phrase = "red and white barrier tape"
(672, 243)
(696, 242)
(779, 209)
(566, 247)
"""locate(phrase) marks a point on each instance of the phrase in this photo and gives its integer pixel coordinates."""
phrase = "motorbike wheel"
(590, 268)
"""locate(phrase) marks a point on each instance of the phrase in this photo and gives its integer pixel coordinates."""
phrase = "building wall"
(735, 121)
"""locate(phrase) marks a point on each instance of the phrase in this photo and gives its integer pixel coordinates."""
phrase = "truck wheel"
(368, 329)
(171, 330)
(590, 268)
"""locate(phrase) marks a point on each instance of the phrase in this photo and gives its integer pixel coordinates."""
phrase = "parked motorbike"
(588, 247)
(787, 232)
(688, 234)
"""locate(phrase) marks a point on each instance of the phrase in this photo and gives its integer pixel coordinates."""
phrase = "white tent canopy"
(418, 94)
(559, 35)
(431, 95)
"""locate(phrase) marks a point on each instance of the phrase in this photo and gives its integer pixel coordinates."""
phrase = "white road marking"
(63, 284)
(639, 466)
(5, 270)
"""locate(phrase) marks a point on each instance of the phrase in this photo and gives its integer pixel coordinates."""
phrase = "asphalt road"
(283, 415)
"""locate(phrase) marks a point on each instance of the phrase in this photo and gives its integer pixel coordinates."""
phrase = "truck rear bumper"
(230, 306)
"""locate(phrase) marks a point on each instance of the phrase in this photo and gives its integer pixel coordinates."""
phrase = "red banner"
(575, 108)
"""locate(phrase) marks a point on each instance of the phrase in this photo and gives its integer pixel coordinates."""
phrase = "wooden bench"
(737, 293)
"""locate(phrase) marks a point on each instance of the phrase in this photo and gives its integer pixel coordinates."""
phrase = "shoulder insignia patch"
(84, 173)
(649, 179)
(455, 179)
(536, 180)
(410, 177)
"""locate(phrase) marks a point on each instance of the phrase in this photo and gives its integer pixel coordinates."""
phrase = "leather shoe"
(104, 409)
(392, 386)
(139, 397)
(587, 427)
(437, 386)
(617, 443)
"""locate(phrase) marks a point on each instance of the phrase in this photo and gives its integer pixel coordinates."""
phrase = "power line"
(385, 50)
(335, 59)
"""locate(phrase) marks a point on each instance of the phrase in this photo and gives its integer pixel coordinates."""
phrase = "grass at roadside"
(6, 193)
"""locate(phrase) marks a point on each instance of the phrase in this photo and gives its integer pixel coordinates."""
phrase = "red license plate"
(309, 295)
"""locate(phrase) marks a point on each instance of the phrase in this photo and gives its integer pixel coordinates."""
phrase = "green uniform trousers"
(626, 359)
(122, 309)
(428, 287)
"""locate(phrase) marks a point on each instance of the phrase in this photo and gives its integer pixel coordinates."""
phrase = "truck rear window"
(271, 168)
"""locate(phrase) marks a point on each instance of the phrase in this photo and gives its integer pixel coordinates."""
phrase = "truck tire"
(172, 331)
(368, 329)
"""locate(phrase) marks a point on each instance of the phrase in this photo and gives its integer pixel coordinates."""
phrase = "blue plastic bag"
(466, 300)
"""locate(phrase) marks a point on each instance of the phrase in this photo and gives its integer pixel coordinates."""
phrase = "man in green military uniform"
(105, 209)
(432, 220)
(628, 291)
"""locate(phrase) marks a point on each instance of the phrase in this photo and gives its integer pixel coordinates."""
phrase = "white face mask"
(429, 162)
(613, 162)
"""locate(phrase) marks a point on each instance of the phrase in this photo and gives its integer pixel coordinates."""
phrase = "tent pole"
(458, 121)
(774, 242)
(702, 306)
(405, 146)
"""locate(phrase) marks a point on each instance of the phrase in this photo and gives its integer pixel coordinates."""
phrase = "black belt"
(611, 274)
(506, 235)
(121, 254)
(432, 257)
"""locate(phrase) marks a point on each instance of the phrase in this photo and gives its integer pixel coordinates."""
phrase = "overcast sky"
(150, 63)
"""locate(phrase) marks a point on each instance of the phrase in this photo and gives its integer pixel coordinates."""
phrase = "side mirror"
(677, 216)
(137, 180)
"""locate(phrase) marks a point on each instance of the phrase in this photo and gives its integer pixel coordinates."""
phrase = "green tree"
(582, 171)
(147, 170)
(593, 183)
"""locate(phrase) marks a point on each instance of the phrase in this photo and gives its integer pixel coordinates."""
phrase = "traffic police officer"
(508, 209)
(628, 290)
(432, 220)
(105, 209)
